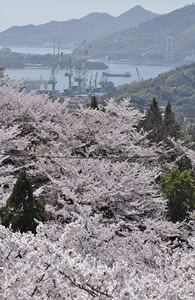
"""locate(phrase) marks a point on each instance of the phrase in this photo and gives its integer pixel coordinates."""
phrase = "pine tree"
(94, 102)
(179, 188)
(22, 207)
(153, 122)
(171, 126)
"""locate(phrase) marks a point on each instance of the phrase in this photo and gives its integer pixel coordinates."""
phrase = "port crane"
(52, 81)
(69, 74)
(60, 61)
(44, 83)
(79, 79)
(90, 81)
(95, 79)
(138, 75)
(79, 74)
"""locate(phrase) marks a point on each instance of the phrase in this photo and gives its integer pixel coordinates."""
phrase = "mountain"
(150, 40)
(74, 31)
(134, 17)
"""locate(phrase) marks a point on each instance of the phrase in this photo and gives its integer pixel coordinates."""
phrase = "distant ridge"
(72, 32)
(149, 39)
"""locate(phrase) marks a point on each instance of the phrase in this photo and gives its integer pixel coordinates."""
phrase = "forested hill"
(176, 86)
(74, 31)
(148, 40)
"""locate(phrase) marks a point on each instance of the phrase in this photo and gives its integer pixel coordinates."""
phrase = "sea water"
(145, 71)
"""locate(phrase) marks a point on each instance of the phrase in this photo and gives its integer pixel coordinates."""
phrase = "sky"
(24, 12)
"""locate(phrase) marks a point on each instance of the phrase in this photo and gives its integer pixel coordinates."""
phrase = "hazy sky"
(23, 12)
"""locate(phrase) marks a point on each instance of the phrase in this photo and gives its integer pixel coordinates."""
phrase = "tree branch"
(90, 290)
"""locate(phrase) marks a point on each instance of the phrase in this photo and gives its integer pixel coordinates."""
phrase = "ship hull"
(117, 75)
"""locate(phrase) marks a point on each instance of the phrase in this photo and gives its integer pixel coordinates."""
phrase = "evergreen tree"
(179, 188)
(153, 122)
(189, 129)
(22, 207)
(94, 102)
(158, 127)
(171, 126)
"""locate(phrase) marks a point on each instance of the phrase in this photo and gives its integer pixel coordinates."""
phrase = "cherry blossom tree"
(99, 177)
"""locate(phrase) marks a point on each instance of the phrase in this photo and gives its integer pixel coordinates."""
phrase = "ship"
(126, 74)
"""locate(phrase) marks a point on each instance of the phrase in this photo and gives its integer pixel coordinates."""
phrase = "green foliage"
(176, 86)
(22, 207)
(171, 126)
(153, 122)
(179, 188)
(94, 102)
(160, 128)
(189, 129)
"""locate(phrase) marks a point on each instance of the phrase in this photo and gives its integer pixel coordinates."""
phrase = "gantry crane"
(95, 79)
(138, 74)
(69, 74)
(52, 82)
(44, 83)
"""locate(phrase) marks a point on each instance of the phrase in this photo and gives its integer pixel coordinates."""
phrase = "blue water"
(145, 71)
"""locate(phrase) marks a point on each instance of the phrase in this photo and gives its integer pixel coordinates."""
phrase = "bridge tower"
(169, 48)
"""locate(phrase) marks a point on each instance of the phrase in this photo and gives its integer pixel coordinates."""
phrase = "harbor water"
(145, 71)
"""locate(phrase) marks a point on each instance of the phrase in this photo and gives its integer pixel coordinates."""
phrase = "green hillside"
(176, 86)
(152, 40)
